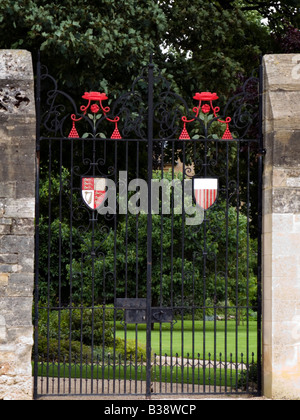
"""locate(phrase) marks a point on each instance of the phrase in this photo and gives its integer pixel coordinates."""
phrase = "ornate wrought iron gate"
(148, 241)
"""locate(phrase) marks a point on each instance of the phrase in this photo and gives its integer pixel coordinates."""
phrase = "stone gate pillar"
(17, 204)
(281, 227)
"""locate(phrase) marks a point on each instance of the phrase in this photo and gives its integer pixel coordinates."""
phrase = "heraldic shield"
(205, 191)
(93, 191)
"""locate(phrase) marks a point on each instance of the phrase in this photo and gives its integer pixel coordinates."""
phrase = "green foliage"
(220, 43)
(248, 378)
(122, 266)
(53, 350)
(68, 335)
(87, 39)
(103, 44)
(113, 263)
(133, 350)
(82, 325)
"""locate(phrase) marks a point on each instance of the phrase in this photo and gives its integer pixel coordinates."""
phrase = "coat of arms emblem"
(93, 191)
(205, 191)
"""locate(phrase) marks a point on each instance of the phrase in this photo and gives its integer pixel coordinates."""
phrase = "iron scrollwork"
(104, 257)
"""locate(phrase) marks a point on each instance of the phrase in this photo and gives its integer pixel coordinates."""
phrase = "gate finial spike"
(184, 134)
(116, 134)
(227, 134)
(73, 133)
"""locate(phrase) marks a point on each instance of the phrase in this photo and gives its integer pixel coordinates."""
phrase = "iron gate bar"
(149, 224)
(261, 153)
(207, 368)
(37, 219)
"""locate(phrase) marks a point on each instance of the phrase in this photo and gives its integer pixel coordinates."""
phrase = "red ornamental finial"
(95, 96)
(227, 135)
(184, 134)
(95, 108)
(206, 96)
(206, 108)
(73, 133)
(116, 134)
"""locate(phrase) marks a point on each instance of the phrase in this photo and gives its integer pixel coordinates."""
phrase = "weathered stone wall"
(17, 204)
(281, 227)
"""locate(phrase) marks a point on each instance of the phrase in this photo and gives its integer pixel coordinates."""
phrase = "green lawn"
(165, 374)
(193, 339)
(165, 338)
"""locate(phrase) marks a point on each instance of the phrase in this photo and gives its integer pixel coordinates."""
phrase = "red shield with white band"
(205, 191)
(93, 191)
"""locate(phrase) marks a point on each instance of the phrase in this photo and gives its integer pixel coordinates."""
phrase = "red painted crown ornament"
(205, 96)
(205, 108)
(95, 108)
(95, 96)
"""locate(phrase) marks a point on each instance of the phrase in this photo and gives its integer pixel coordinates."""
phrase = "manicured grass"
(212, 338)
(196, 341)
(165, 374)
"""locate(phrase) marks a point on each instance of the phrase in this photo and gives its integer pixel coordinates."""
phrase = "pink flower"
(205, 108)
(95, 108)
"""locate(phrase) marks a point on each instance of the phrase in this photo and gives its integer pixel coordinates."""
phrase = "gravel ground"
(104, 390)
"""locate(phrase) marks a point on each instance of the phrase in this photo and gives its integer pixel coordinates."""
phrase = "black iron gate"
(148, 241)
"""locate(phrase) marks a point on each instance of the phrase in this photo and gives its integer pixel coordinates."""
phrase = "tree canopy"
(103, 44)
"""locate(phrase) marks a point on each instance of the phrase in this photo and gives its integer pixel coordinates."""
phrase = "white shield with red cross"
(93, 191)
(205, 191)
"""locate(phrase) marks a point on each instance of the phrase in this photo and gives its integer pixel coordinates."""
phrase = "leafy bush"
(65, 351)
(84, 325)
(134, 351)
(54, 351)
(248, 378)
